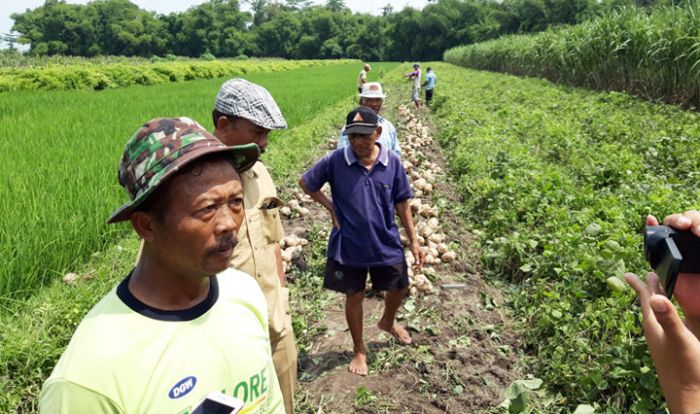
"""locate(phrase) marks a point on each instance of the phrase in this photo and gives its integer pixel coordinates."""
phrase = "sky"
(8, 7)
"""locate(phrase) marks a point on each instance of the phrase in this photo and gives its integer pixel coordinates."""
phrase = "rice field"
(60, 149)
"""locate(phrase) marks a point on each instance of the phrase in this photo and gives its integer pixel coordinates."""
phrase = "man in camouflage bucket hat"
(159, 149)
(244, 113)
(182, 324)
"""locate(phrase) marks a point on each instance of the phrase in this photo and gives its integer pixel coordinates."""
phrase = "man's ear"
(222, 123)
(143, 223)
(378, 131)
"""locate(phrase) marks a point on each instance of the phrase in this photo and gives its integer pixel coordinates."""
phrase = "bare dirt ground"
(463, 350)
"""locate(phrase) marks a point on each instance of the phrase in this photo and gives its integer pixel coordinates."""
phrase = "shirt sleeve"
(60, 396)
(401, 190)
(317, 175)
(395, 146)
(343, 140)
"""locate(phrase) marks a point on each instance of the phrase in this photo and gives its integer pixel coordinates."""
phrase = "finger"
(654, 284)
(678, 221)
(420, 257)
(672, 325)
(651, 221)
(652, 330)
(642, 292)
(694, 217)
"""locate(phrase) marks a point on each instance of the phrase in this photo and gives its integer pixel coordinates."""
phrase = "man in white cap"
(362, 78)
(244, 113)
(372, 96)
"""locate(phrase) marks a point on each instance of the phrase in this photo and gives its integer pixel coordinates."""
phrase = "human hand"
(418, 254)
(336, 222)
(673, 347)
(687, 289)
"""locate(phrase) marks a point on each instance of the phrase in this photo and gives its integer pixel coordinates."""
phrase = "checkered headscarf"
(244, 99)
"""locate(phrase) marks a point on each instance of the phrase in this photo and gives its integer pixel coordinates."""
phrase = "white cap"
(372, 90)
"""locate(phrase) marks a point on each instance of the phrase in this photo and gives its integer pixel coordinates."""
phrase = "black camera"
(670, 252)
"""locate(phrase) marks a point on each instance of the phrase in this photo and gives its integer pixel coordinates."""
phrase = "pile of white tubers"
(423, 175)
(292, 247)
(295, 206)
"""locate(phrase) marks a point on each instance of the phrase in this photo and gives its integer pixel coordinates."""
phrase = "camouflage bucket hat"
(160, 148)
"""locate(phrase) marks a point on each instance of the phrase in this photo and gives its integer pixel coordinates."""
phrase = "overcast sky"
(7, 7)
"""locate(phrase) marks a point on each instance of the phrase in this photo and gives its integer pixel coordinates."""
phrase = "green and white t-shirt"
(127, 357)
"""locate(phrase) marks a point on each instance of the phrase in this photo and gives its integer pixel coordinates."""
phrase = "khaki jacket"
(258, 237)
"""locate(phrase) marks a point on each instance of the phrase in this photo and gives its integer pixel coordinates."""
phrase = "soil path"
(464, 350)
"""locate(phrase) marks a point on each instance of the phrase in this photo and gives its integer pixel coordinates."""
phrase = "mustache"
(228, 242)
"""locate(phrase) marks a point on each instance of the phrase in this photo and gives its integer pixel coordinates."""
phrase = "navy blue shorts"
(349, 279)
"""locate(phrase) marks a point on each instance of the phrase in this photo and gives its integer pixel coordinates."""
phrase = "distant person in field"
(415, 78)
(673, 343)
(182, 324)
(372, 97)
(244, 113)
(362, 77)
(368, 186)
(429, 85)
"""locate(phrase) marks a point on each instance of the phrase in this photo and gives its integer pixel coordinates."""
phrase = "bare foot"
(358, 365)
(397, 331)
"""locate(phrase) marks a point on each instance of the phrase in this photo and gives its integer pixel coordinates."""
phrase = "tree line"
(290, 28)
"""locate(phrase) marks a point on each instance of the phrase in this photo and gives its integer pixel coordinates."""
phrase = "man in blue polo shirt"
(368, 186)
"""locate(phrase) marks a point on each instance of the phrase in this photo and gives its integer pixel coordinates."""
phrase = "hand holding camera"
(674, 346)
(679, 277)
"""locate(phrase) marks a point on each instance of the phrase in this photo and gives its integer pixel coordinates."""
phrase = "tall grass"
(59, 153)
(651, 53)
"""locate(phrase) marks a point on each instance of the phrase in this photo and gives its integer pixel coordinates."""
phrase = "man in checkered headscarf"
(244, 113)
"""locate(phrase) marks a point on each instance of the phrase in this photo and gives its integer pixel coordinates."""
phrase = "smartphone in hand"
(218, 403)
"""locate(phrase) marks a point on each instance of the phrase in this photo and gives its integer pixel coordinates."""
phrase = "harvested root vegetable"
(448, 257)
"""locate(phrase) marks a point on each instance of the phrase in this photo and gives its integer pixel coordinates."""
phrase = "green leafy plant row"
(652, 53)
(557, 182)
(89, 76)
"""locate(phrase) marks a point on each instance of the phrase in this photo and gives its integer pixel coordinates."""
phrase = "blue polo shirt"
(363, 201)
